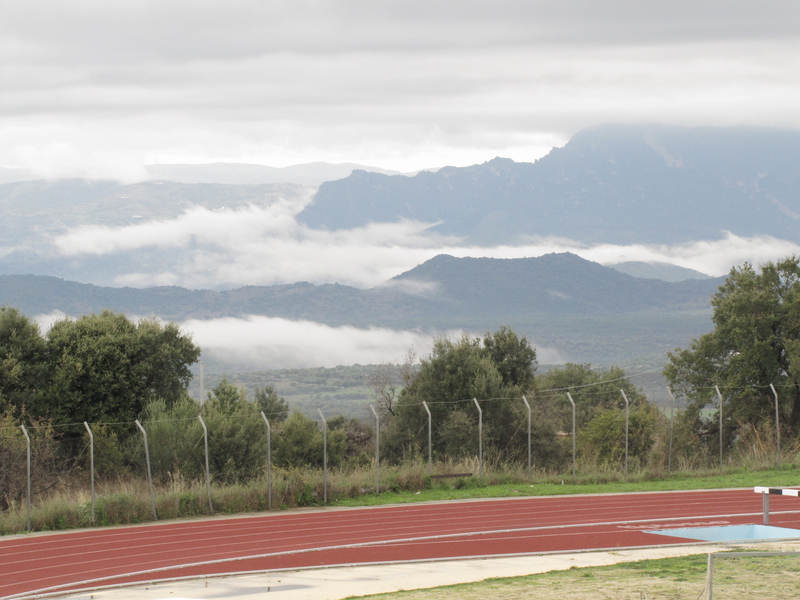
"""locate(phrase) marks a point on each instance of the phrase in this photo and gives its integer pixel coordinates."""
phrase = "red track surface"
(91, 558)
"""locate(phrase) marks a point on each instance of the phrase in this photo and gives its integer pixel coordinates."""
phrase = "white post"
(571, 401)
(777, 424)
(480, 437)
(627, 407)
(28, 440)
(149, 472)
(528, 406)
(430, 454)
(269, 460)
(91, 462)
(324, 456)
(202, 384)
(377, 450)
(720, 426)
(208, 472)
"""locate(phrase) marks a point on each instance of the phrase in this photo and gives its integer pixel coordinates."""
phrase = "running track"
(93, 558)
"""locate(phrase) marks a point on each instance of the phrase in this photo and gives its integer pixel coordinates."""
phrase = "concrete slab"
(342, 582)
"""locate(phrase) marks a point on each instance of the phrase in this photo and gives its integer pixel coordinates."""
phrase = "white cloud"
(267, 246)
(273, 343)
(93, 89)
(257, 342)
(46, 321)
(713, 257)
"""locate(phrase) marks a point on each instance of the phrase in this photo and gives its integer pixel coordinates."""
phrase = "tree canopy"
(22, 359)
(755, 343)
(95, 368)
(495, 370)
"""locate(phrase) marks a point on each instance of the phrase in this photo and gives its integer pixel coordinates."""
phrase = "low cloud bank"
(257, 342)
(267, 246)
(272, 343)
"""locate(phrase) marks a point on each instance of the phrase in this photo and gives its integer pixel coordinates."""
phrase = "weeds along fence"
(174, 463)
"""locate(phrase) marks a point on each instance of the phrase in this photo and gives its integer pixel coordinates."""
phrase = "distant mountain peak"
(618, 184)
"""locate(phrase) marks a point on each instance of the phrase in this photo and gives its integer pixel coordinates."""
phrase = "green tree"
(513, 356)
(755, 342)
(274, 407)
(602, 440)
(23, 360)
(495, 371)
(237, 433)
(359, 438)
(299, 443)
(47, 467)
(226, 396)
(592, 390)
(105, 368)
(237, 440)
(175, 439)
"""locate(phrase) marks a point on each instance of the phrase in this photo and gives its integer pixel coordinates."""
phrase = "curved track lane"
(367, 535)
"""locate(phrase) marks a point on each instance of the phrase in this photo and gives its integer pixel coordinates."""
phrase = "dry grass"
(126, 500)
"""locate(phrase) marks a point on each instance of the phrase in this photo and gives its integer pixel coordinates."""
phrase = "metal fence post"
(28, 441)
(149, 472)
(208, 471)
(777, 424)
(377, 450)
(571, 401)
(528, 406)
(627, 407)
(430, 454)
(720, 426)
(269, 460)
(91, 462)
(671, 420)
(480, 437)
(202, 384)
(710, 577)
(324, 456)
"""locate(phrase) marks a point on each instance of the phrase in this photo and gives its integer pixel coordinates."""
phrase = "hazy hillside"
(614, 183)
(555, 283)
(8, 175)
(662, 271)
(587, 311)
(311, 174)
(54, 205)
(33, 212)
(444, 288)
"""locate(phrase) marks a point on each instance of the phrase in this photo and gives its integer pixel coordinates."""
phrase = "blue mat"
(731, 533)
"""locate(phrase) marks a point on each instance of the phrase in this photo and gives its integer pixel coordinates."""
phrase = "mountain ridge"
(609, 184)
(588, 312)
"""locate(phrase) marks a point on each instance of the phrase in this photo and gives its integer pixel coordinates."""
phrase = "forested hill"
(552, 284)
(447, 290)
(614, 183)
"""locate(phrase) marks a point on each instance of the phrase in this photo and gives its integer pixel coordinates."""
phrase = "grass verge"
(126, 502)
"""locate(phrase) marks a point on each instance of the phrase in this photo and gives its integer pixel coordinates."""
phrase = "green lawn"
(472, 488)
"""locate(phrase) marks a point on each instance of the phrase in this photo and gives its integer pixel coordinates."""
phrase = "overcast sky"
(98, 88)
